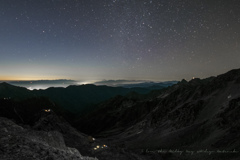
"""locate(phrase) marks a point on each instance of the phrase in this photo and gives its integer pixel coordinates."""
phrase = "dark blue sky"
(89, 40)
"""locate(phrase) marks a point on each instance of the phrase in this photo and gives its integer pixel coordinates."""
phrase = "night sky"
(90, 40)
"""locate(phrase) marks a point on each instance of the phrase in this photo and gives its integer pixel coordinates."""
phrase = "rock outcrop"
(17, 142)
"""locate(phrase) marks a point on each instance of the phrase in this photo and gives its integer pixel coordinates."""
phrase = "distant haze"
(44, 84)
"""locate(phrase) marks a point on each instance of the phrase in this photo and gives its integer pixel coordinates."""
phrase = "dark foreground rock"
(17, 142)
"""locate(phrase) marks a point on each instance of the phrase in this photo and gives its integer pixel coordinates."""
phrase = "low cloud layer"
(43, 84)
(134, 83)
(119, 82)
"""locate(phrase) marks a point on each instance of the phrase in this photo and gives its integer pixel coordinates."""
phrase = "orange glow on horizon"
(26, 78)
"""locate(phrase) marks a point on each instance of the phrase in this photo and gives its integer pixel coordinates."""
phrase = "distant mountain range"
(77, 98)
(150, 85)
(136, 83)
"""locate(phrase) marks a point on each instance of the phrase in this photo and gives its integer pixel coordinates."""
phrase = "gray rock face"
(26, 144)
(194, 115)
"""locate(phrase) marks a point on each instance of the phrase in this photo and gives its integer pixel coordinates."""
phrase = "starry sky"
(89, 40)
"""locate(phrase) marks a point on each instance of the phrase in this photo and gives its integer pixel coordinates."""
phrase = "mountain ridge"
(74, 98)
(198, 114)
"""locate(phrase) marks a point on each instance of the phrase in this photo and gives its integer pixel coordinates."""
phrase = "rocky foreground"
(20, 143)
(52, 138)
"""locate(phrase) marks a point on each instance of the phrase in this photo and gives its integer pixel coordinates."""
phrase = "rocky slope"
(195, 115)
(21, 143)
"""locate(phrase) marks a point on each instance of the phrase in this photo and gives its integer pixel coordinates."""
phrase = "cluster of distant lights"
(100, 147)
(47, 110)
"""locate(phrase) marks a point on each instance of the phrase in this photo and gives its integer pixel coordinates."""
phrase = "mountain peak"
(4, 84)
(230, 75)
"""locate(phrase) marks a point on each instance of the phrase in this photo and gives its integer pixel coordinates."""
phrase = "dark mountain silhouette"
(84, 97)
(79, 99)
(10, 91)
(25, 111)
